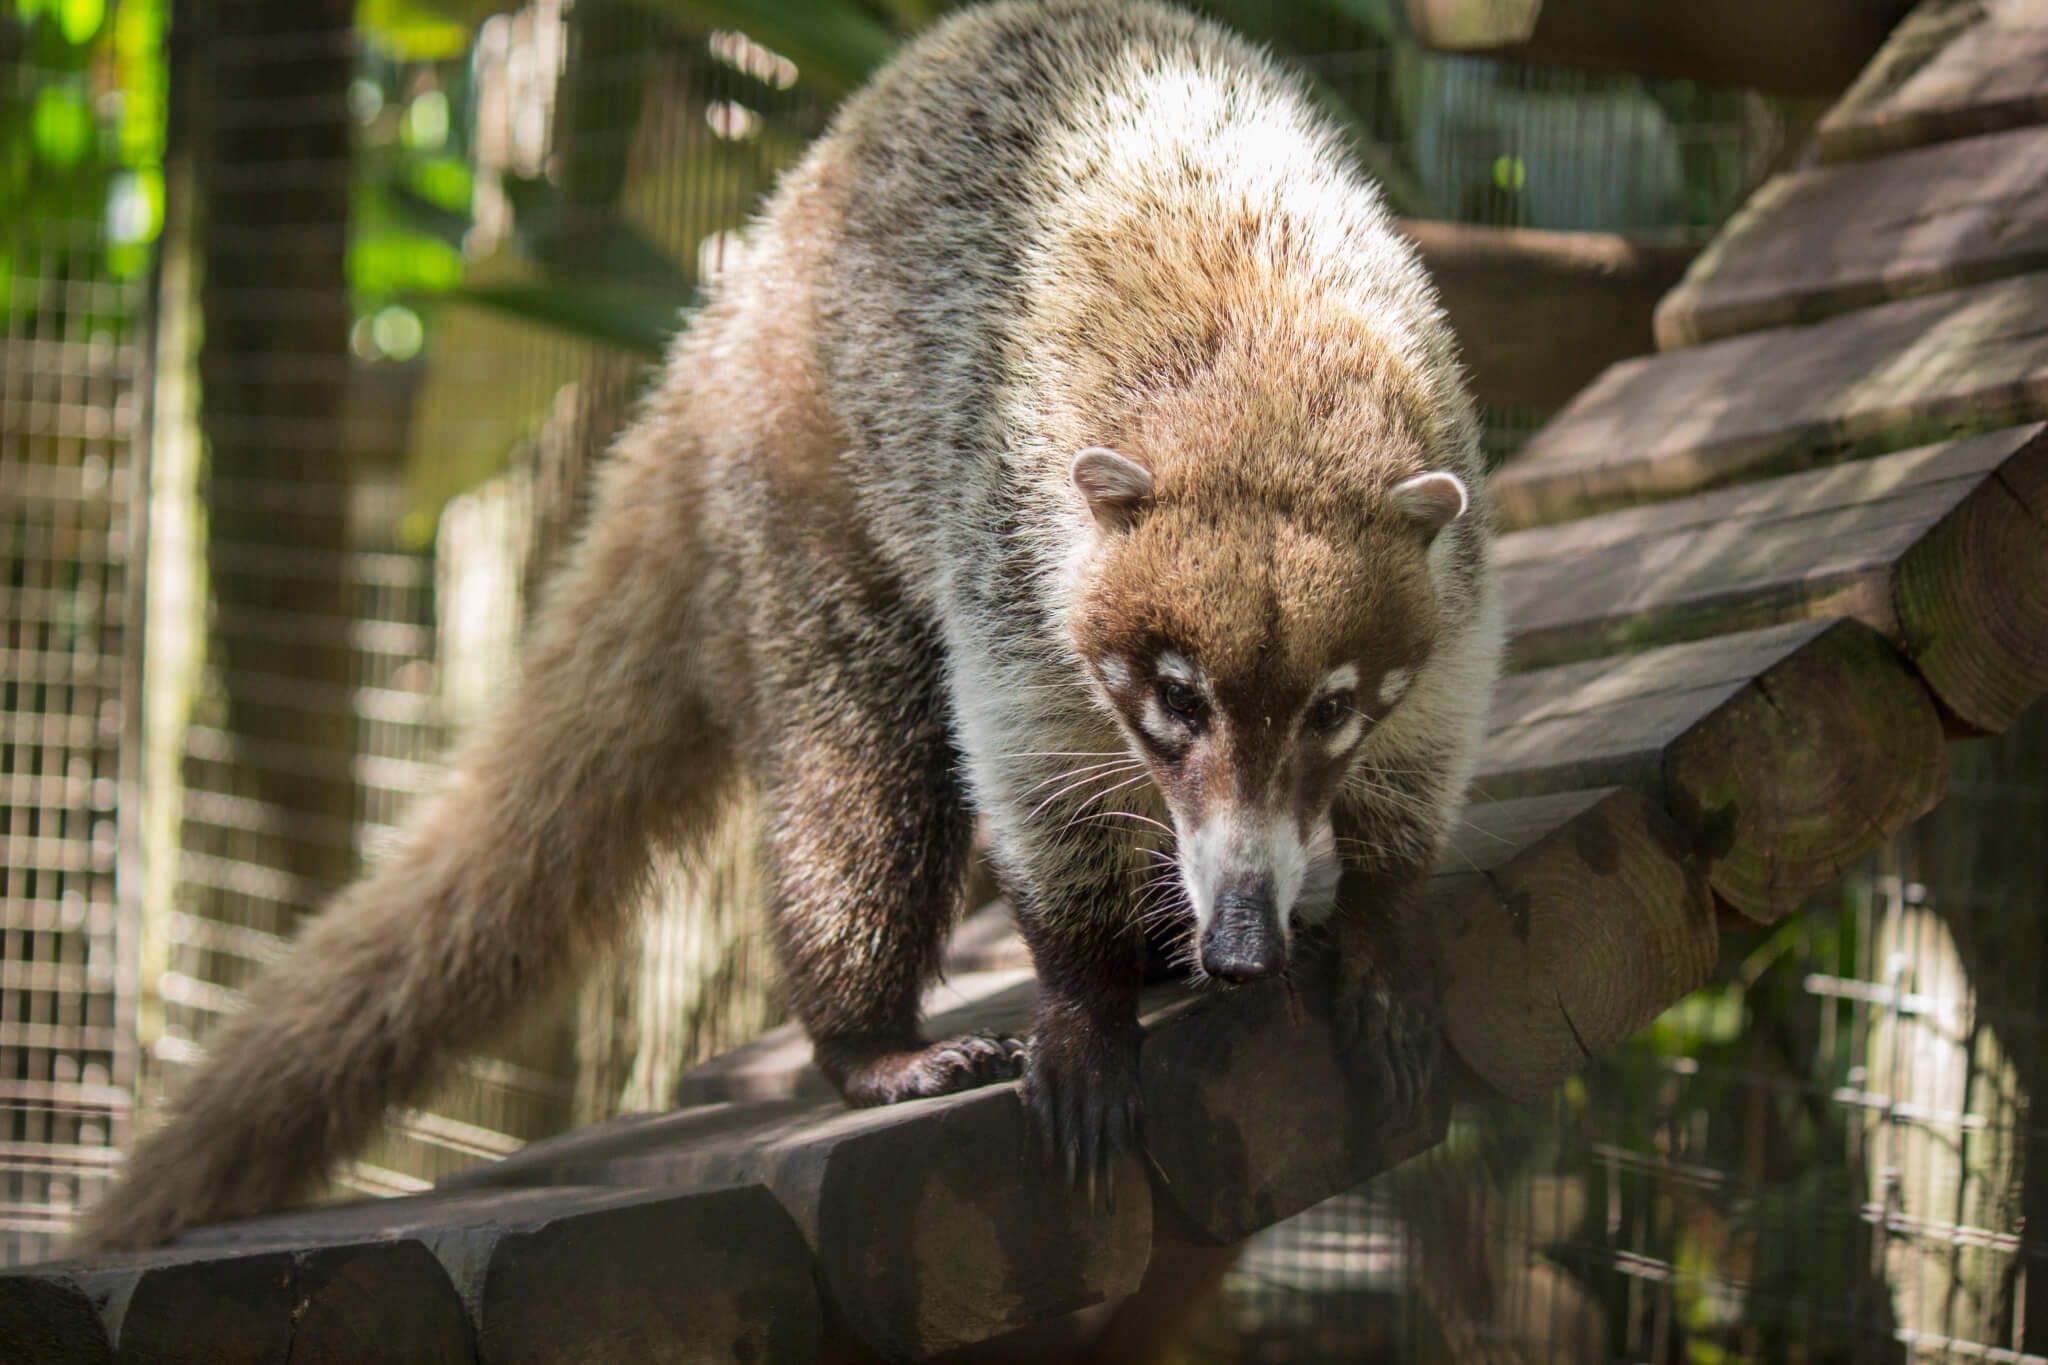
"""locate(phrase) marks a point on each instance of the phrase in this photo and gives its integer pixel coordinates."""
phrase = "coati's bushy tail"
(530, 860)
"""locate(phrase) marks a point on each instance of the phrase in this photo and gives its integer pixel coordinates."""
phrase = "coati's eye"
(1330, 711)
(1182, 701)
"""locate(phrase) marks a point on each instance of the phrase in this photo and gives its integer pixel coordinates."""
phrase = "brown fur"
(841, 551)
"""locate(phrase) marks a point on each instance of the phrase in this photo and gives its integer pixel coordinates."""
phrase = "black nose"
(1244, 942)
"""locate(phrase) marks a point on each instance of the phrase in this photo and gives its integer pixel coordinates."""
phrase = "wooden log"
(1774, 402)
(1785, 753)
(552, 1275)
(48, 1317)
(1577, 919)
(1972, 597)
(344, 1301)
(1540, 314)
(1252, 1113)
(1954, 68)
(1942, 549)
(933, 1224)
(1819, 242)
(1813, 48)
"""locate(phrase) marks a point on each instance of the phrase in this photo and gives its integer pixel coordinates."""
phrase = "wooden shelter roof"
(1754, 580)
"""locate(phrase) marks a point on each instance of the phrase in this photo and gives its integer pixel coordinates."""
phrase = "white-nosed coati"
(1078, 446)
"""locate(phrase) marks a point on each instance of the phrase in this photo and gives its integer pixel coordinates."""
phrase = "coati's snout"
(1244, 940)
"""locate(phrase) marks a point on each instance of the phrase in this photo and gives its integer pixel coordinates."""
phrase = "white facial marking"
(1393, 683)
(1341, 738)
(1319, 888)
(1234, 844)
(1342, 679)
(1159, 725)
(1116, 674)
(1174, 668)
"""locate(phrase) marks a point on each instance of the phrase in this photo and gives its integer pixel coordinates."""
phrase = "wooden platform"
(1753, 581)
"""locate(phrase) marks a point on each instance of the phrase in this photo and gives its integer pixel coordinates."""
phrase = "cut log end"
(1828, 753)
(1581, 933)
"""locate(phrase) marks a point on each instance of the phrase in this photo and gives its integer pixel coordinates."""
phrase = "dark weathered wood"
(1577, 919)
(1819, 242)
(331, 1301)
(1831, 751)
(47, 1317)
(1972, 598)
(562, 1274)
(1811, 48)
(934, 1224)
(1942, 549)
(1540, 314)
(1953, 68)
(1773, 402)
(1783, 753)
(1252, 1114)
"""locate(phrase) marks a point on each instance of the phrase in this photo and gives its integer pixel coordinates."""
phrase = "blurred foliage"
(81, 154)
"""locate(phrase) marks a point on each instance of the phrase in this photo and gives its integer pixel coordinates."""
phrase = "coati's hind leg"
(867, 858)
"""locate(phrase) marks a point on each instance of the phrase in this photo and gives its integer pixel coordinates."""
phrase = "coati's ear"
(1117, 487)
(1431, 501)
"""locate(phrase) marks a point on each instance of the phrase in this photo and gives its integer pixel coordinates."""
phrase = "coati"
(1078, 447)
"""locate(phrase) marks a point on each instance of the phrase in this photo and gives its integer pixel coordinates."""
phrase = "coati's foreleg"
(1378, 955)
(1082, 1075)
(867, 853)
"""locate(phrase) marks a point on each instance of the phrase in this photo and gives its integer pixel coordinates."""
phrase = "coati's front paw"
(1392, 1040)
(1082, 1087)
(880, 1074)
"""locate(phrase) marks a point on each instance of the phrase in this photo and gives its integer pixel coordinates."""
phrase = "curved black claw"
(887, 1075)
(1392, 1040)
(1083, 1092)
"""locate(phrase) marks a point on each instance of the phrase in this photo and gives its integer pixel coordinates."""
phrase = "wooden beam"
(1820, 242)
(1253, 1113)
(1772, 402)
(1954, 68)
(1577, 919)
(1942, 549)
(931, 1225)
(241, 1304)
(1812, 48)
(560, 1274)
(1540, 314)
(1784, 754)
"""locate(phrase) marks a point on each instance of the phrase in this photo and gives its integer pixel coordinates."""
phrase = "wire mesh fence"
(73, 368)
(431, 261)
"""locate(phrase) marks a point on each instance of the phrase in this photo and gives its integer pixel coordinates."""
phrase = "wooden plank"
(1792, 398)
(1811, 48)
(1784, 754)
(556, 1274)
(933, 1224)
(349, 1300)
(1253, 1112)
(1941, 549)
(1540, 314)
(1819, 242)
(1579, 918)
(47, 1317)
(1952, 69)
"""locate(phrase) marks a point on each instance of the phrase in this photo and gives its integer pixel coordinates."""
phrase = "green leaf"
(834, 43)
(62, 126)
(629, 317)
(412, 31)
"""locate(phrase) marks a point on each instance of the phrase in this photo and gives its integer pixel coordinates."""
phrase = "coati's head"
(1249, 642)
